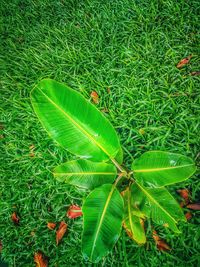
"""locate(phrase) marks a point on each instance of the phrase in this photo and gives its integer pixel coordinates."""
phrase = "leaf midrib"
(129, 211)
(153, 200)
(101, 220)
(163, 169)
(76, 124)
(84, 173)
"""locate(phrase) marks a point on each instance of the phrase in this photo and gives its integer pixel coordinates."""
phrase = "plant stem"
(119, 167)
(118, 179)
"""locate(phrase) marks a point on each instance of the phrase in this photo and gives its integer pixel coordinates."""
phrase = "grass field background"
(130, 47)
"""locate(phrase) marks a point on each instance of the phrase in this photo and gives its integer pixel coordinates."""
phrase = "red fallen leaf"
(95, 97)
(195, 73)
(184, 62)
(15, 218)
(74, 212)
(1, 246)
(161, 244)
(60, 232)
(188, 216)
(40, 260)
(184, 193)
(194, 206)
(155, 236)
(51, 226)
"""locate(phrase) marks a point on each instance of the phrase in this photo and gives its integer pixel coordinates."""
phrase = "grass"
(131, 47)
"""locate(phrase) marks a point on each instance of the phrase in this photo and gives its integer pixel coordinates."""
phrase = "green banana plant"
(78, 126)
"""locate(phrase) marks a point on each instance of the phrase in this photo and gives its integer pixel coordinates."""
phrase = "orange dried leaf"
(15, 218)
(188, 216)
(60, 232)
(155, 236)
(194, 206)
(95, 97)
(40, 260)
(51, 225)
(74, 212)
(185, 194)
(160, 243)
(184, 62)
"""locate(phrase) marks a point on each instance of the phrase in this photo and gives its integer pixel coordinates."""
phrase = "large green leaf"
(85, 173)
(158, 204)
(132, 222)
(102, 221)
(157, 168)
(74, 122)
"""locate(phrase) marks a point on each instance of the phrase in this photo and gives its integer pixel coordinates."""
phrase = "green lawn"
(130, 47)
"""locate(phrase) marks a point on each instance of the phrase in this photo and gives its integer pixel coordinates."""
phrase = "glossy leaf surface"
(102, 221)
(132, 223)
(158, 204)
(85, 173)
(157, 168)
(74, 122)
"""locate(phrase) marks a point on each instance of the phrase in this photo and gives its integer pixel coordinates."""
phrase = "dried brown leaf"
(95, 97)
(195, 73)
(184, 62)
(15, 218)
(194, 206)
(185, 194)
(51, 225)
(160, 243)
(74, 212)
(60, 232)
(40, 260)
(188, 216)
